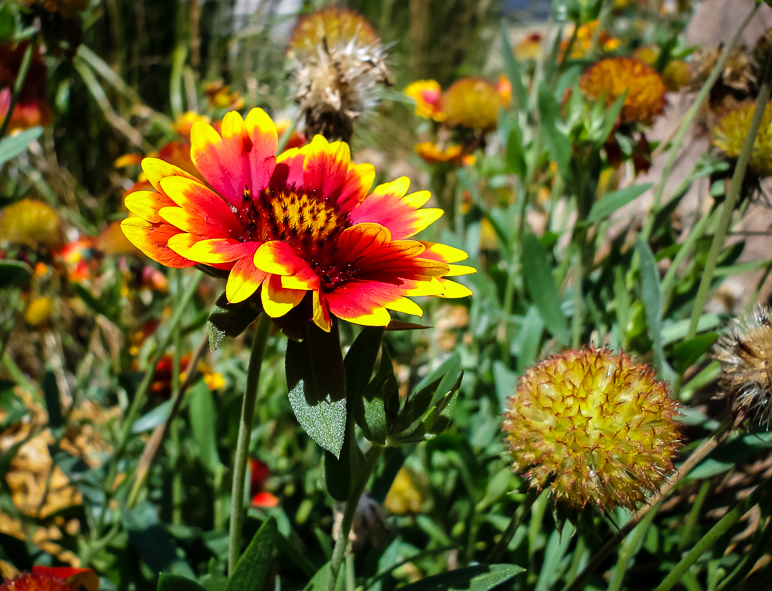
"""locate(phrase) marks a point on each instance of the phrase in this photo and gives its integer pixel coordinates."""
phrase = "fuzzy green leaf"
(253, 565)
(169, 582)
(473, 578)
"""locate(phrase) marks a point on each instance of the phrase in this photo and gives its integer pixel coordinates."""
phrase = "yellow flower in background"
(730, 134)
(38, 311)
(595, 427)
(676, 74)
(610, 78)
(220, 97)
(30, 222)
(426, 94)
(404, 496)
(530, 47)
(431, 153)
(184, 122)
(472, 103)
(583, 42)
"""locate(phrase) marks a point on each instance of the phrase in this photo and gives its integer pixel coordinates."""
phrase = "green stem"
(244, 436)
(350, 574)
(694, 514)
(19, 84)
(628, 550)
(731, 200)
(357, 489)
(174, 432)
(514, 524)
(687, 122)
(718, 530)
(140, 396)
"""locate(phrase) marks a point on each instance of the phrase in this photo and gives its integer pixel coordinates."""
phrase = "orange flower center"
(303, 221)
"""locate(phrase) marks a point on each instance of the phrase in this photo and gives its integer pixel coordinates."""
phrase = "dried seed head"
(745, 355)
(339, 67)
(595, 427)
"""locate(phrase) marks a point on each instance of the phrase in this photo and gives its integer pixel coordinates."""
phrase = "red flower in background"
(260, 473)
(32, 107)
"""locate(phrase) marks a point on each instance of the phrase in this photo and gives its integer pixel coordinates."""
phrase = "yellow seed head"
(730, 134)
(595, 427)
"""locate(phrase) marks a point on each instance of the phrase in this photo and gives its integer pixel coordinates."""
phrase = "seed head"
(338, 63)
(729, 137)
(594, 426)
(472, 103)
(745, 355)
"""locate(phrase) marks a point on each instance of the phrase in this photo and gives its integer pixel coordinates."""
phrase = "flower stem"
(691, 462)
(244, 436)
(731, 200)
(19, 84)
(517, 520)
(714, 534)
(357, 489)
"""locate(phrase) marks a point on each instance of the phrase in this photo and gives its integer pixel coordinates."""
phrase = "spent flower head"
(731, 132)
(339, 67)
(611, 77)
(594, 426)
(745, 356)
(299, 228)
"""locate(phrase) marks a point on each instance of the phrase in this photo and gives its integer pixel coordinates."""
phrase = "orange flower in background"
(220, 96)
(53, 579)
(431, 153)
(32, 107)
(426, 94)
(473, 103)
(259, 473)
(184, 122)
(300, 224)
(583, 42)
(610, 78)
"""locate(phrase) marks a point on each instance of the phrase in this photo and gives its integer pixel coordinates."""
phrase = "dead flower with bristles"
(745, 356)
(338, 64)
(595, 427)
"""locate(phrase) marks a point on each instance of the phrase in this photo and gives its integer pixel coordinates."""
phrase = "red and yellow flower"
(57, 578)
(300, 226)
(426, 94)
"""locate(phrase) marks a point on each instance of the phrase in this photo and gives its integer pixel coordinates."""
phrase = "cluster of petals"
(292, 224)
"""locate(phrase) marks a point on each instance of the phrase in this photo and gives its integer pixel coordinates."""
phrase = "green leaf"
(322, 579)
(651, 303)
(361, 357)
(474, 578)
(515, 155)
(253, 565)
(168, 582)
(153, 418)
(558, 145)
(14, 274)
(7, 23)
(229, 320)
(505, 381)
(541, 287)
(512, 69)
(53, 404)
(687, 354)
(440, 415)
(151, 540)
(203, 418)
(12, 146)
(610, 202)
(612, 115)
(323, 420)
(317, 361)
